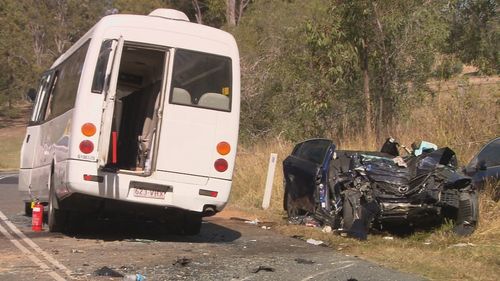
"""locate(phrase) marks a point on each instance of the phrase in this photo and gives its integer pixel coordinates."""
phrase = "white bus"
(141, 112)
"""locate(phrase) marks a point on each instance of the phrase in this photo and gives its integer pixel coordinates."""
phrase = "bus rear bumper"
(162, 189)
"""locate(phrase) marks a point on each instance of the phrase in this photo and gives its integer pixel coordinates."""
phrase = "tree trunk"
(366, 89)
(231, 12)
(198, 16)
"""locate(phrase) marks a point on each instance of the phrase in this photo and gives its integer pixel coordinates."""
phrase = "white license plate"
(147, 193)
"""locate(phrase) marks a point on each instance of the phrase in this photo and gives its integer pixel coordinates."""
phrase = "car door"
(304, 170)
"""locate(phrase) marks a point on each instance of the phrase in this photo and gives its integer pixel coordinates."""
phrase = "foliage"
(475, 36)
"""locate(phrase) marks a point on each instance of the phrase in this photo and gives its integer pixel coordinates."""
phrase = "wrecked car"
(353, 191)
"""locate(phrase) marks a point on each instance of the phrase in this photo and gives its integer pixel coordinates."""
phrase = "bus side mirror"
(31, 95)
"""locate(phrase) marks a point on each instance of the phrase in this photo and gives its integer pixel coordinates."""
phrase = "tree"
(394, 44)
(475, 35)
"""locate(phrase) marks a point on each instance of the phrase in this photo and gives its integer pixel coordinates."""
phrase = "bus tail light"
(220, 165)
(88, 129)
(223, 148)
(86, 146)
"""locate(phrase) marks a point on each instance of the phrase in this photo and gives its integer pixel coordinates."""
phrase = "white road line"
(30, 255)
(35, 247)
(7, 176)
(326, 271)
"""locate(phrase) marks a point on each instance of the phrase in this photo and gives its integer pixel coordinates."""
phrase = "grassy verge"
(11, 140)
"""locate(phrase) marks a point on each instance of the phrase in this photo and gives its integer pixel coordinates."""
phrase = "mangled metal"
(353, 191)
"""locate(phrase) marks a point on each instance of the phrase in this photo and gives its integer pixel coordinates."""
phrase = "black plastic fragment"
(106, 271)
(263, 268)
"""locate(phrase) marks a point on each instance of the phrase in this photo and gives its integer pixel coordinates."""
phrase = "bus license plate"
(147, 193)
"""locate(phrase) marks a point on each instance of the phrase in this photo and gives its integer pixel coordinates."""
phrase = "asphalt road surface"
(226, 249)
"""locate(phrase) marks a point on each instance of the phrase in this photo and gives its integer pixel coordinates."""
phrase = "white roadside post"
(269, 180)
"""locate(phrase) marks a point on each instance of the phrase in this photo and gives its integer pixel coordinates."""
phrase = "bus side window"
(42, 97)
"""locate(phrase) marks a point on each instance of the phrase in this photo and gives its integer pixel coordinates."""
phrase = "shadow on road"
(135, 230)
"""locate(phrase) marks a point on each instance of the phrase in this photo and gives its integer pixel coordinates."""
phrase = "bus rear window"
(201, 80)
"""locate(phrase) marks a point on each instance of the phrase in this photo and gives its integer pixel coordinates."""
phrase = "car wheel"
(191, 223)
(347, 214)
(467, 213)
(56, 217)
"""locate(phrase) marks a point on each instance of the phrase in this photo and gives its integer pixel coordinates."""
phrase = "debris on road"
(182, 262)
(263, 268)
(106, 271)
(315, 242)
(76, 251)
(147, 241)
(304, 261)
(134, 277)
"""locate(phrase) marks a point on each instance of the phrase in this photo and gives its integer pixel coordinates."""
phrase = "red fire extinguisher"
(37, 217)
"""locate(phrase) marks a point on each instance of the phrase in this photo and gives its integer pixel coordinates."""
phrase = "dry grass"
(462, 117)
(10, 145)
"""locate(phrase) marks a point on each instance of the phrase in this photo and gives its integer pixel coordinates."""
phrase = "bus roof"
(152, 22)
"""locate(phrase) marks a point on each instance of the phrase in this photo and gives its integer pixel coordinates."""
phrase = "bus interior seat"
(181, 96)
(149, 126)
(214, 100)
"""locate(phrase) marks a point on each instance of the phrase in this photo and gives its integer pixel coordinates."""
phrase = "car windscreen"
(313, 150)
(491, 154)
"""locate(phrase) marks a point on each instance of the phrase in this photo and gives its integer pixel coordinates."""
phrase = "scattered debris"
(304, 261)
(314, 242)
(462, 245)
(76, 251)
(388, 238)
(134, 277)
(263, 268)
(182, 262)
(327, 229)
(253, 222)
(106, 271)
(266, 227)
(147, 241)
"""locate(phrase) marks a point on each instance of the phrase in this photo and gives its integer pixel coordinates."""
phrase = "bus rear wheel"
(56, 217)
(191, 223)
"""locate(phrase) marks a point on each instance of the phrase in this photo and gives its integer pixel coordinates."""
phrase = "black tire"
(27, 209)
(467, 213)
(347, 214)
(56, 217)
(191, 223)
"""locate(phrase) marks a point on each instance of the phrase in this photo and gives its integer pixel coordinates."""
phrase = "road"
(226, 249)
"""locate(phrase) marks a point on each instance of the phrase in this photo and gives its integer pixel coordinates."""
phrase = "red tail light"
(220, 165)
(86, 146)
